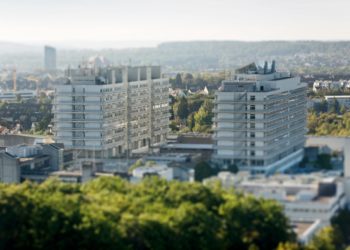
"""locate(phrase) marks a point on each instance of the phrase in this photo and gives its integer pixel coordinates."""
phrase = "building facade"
(9, 168)
(260, 119)
(14, 96)
(338, 101)
(108, 112)
(50, 58)
(309, 201)
(32, 162)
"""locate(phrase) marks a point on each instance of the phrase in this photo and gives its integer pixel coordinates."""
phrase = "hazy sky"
(164, 20)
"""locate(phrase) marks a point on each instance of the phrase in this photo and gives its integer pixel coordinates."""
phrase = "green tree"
(289, 246)
(191, 122)
(111, 213)
(188, 79)
(323, 161)
(202, 121)
(232, 168)
(342, 109)
(178, 81)
(203, 170)
(334, 106)
(181, 108)
(342, 222)
(242, 231)
(327, 239)
(174, 126)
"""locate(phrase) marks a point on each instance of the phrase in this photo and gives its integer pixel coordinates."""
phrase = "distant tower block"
(14, 78)
(50, 58)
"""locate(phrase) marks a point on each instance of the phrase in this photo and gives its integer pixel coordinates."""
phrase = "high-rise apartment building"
(50, 58)
(108, 112)
(260, 119)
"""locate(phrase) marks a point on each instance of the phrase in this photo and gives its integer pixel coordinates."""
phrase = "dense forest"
(111, 213)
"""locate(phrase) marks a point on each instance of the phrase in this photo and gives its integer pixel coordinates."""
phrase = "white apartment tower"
(110, 111)
(260, 119)
(50, 58)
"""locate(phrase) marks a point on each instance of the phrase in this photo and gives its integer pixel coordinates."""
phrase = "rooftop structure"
(260, 119)
(33, 162)
(342, 100)
(305, 198)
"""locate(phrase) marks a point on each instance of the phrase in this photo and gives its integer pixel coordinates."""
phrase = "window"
(261, 88)
(252, 116)
(260, 162)
(252, 97)
(252, 107)
(252, 135)
(252, 153)
(252, 144)
(252, 125)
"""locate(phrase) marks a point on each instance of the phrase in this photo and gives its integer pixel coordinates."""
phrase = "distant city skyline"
(154, 21)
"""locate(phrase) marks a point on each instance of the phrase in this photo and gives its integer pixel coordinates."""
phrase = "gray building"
(60, 158)
(9, 168)
(109, 112)
(260, 119)
(35, 163)
(50, 58)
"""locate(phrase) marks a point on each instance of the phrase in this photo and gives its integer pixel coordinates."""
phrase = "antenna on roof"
(273, 66)
(265, 67)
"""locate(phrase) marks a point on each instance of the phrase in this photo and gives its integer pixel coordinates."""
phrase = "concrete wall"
(335, 144)
(9, 169)
(13, 140)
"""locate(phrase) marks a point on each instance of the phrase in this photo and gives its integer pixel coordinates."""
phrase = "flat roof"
(189, 146)
(337, 96)
(67, 173)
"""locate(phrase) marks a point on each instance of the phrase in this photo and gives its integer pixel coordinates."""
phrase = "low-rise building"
(32, 162)
(9, 168)
(190, 143)
(12, 96)
(326, 85)
(60, 158)
(342, 100)
(305, 198)
(164, 171)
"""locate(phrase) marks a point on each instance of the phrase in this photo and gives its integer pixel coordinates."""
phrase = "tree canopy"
(329, 124)
(110, 213)
(195, 113)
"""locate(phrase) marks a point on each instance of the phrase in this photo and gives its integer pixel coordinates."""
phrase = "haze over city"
(171, 125)
(135, 23)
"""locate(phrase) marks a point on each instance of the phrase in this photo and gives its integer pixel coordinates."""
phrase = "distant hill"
(17, 48)
(297, 56)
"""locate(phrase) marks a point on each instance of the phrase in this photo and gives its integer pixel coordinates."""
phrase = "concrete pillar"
(112, 76)
(86, 171)
(347, 191)
(346, 153)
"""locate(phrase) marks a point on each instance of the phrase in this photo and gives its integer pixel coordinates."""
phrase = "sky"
(153, 21)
